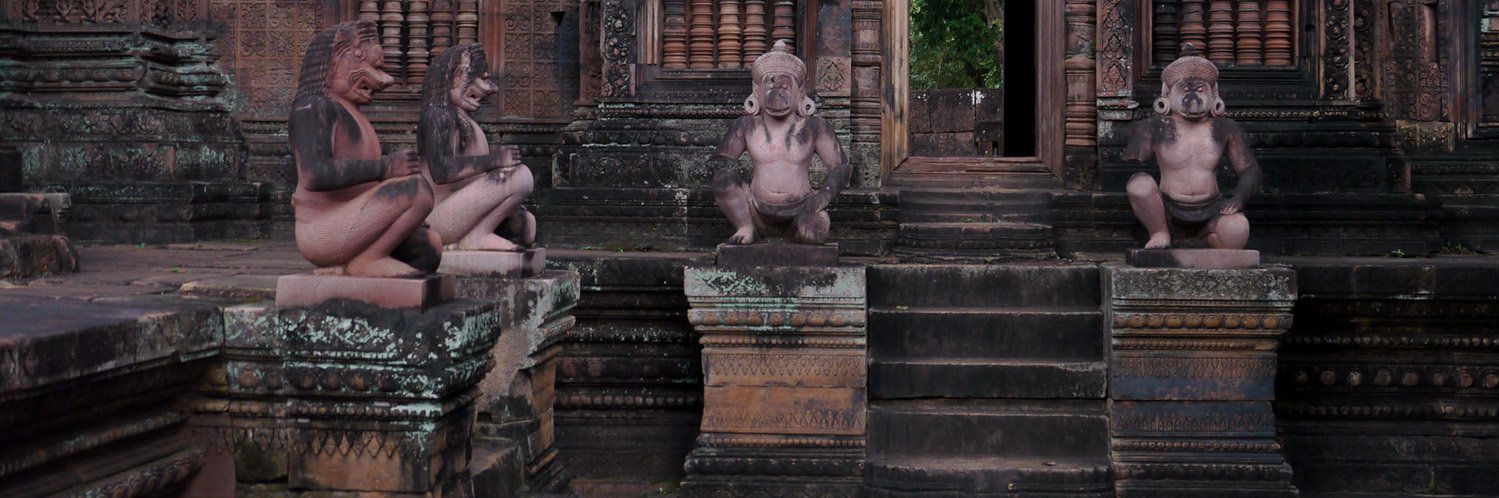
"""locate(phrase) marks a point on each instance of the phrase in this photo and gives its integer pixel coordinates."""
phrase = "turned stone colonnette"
(781, 133)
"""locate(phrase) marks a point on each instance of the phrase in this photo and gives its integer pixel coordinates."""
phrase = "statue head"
(778, 77)
(1189, 87)
(345, 63)
(459, 77)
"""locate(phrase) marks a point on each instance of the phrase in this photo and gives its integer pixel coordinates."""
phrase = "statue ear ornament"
(1219, 108)
(808, 106)
(751, 105)
(1162, 106)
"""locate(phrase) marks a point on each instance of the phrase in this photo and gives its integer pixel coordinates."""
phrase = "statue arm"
(733, 144)
(1141, 146)
(1244, 164)
(833, 157)
(311, 127)
(436, 141)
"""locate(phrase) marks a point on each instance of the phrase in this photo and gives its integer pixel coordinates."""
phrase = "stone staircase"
(994, 214)
(986, 381)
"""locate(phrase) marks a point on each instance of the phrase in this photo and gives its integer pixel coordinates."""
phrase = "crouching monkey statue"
(1187, 138)
(357, 213)
(781, 134)
(478, 190)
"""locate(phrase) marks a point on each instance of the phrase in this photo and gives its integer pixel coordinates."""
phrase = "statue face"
(469, 89)
(357, 74)
(780, 93)
(1193, 98)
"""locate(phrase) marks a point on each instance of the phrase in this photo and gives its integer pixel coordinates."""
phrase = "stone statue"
(1187, 138)
(781, 134)
(477, 189)
(357, 213)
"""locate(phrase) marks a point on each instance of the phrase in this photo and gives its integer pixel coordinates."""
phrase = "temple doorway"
(973, 94)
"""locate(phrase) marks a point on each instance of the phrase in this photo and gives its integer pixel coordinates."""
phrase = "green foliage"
(957, 44)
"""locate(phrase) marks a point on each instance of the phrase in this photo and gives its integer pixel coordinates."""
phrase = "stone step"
(1028, 428)
(1023, 285)
(997, 236)
(949, 477)
(956, 332)
(973, 217)
(906, 377)
(939, 195)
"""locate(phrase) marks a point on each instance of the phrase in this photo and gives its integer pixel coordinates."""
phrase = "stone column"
(353, 398)
(1192, 366)
(784, 380)
(516, 399)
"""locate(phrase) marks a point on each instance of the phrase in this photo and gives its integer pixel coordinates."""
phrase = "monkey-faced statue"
(1187, 138)
(357, 213)
(780, 133)
(479, 190)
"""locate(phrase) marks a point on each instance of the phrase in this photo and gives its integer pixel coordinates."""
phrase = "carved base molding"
(352, 397)
(1192, 367)
(785, 380)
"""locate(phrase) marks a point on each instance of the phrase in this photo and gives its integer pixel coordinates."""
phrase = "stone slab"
(1218, 259)
(494, 263)
(305, 289)
(777, 254)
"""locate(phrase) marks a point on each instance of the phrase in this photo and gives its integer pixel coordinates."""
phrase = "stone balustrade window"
(1229, 32)
(412, 32)
(721, 34)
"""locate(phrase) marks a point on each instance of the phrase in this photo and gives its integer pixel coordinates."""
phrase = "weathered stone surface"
(90, 394)
(777, 254)
(1222, 259)
(1386, 380)
(516, 402)
(1192, 365)
(527, 263)
(308, 290)
(785, 380)
(629, 380)
(302, 377)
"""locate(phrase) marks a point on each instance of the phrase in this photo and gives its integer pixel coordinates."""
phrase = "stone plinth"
(494, 263)
(516, 399)
(351, 397)
(777, 254)
(307, 290)
(1192, 362)
(31, 234)
(784, 380)
(1220, 259)
(91, 397)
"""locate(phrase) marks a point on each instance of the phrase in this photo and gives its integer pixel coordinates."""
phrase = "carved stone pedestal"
(352, 397)
(308, 290)
(785, 376)
(516, 399)
(1192, 362)
(31, 237)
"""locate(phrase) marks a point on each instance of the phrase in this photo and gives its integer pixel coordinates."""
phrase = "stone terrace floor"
(244, 271)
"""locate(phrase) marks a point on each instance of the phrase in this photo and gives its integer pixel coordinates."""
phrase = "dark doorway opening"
(1020, 82)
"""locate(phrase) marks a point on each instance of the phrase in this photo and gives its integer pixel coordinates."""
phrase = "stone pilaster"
(354, 398)
(1192, 367)
(516, 400)
(785, 380)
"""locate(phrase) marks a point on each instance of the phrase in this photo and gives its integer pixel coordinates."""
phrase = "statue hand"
(401, 163)
(512, 156)
(1232, 206)
(821, 199)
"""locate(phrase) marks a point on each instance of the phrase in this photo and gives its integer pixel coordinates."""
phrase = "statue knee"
(524, 182)
(813, 228)
(727, 178)
(1235, 223)
(1141, 185)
